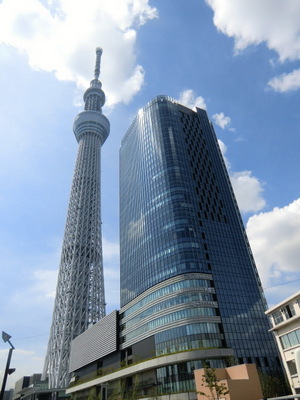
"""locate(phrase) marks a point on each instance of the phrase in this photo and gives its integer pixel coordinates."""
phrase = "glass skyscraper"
(188, 277)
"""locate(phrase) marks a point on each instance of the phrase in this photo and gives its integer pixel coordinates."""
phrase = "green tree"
(209, 380)
(273, 385)
(231, 361)
(92, 394)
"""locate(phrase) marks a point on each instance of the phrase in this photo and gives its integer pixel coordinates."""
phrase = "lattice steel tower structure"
(79, 300)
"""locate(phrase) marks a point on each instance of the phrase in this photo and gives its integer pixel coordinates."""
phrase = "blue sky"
(239, 60)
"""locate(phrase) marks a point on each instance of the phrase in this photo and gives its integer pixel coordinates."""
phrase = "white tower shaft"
(79, 300)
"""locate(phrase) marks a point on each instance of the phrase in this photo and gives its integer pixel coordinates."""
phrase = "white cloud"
(275, 238)
(61, 37)
(251, 22)
(286, 82)
(248, 191)
(247, 188)
(190, 100)
(223, 149)
(274, 22)
(221, 120)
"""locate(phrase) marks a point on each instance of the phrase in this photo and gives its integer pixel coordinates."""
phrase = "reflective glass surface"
(180, 377)
(290, 339)
(178, 215)
(174, 287)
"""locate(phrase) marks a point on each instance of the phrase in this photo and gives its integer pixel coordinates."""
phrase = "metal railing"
(290, 396)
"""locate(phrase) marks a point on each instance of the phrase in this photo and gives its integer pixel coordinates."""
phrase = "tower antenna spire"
(98, 60)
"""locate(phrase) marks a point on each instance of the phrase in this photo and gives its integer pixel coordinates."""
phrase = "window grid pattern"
(158, 231)
(290, 339)
(277, 317)
(187, 337)
(186, 299)
(191, 298)
(210, 203)
(179, 215)
(180, 377)
(197, 284)
(292, 367)
(187, 313)
(285, 313)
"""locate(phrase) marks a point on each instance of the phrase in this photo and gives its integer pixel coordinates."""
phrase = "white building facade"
(285, 320)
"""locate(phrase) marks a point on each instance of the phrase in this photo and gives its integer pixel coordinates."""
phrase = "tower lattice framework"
(79, 300)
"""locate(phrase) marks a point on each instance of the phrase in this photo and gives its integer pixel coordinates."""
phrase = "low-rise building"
(285, 320)
(8, 394)
(240, 381)
(100, 369)
(35, 388)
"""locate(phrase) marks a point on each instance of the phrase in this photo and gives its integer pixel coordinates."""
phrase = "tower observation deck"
(80, 301)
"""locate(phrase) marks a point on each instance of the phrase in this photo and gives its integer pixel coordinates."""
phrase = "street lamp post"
(6, 338)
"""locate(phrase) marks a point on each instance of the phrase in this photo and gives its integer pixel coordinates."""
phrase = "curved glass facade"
(180, 377)
(179, 221)
(187, 337)
(174, 287)
(187, 301)
(180, 299)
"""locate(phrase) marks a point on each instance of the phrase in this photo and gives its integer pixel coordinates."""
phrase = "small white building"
(285, 320)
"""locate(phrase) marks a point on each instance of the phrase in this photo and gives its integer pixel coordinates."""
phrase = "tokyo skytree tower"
(79, 301)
